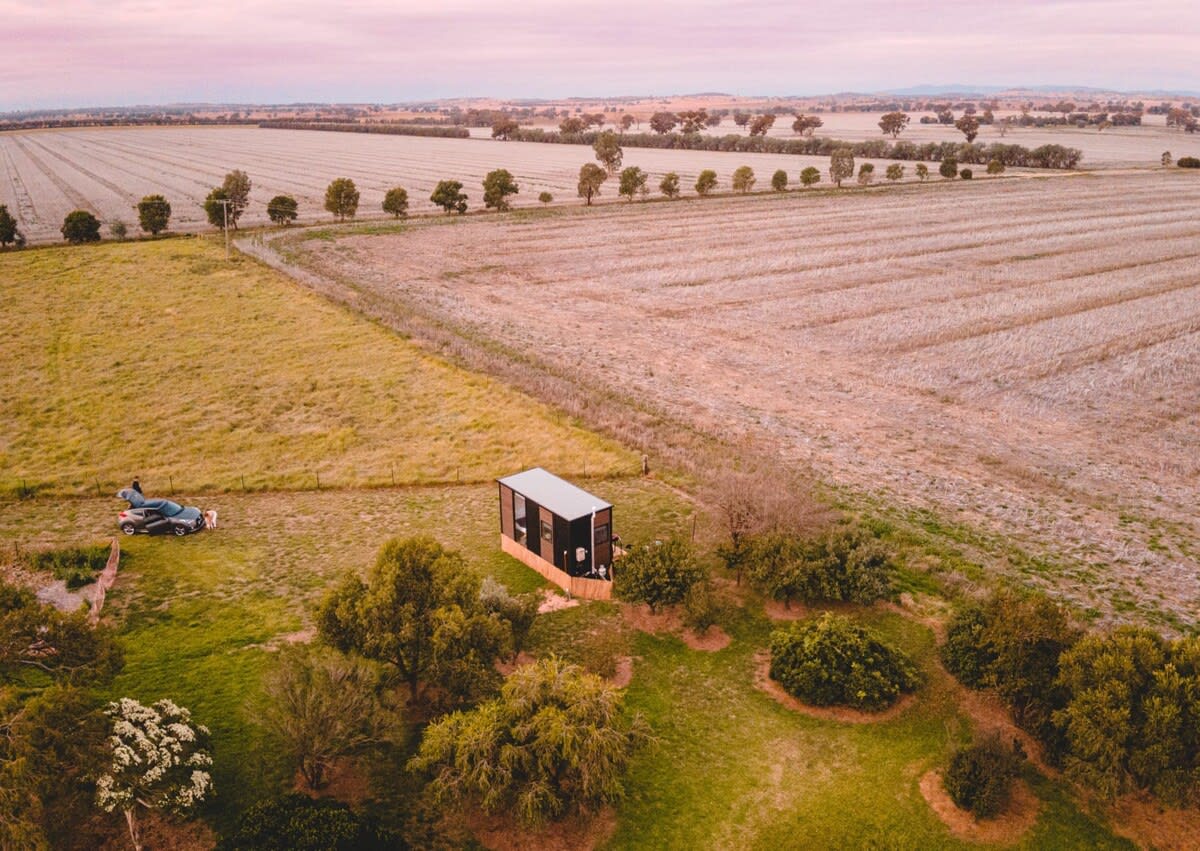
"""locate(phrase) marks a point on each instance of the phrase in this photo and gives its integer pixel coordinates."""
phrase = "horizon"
(79, 55)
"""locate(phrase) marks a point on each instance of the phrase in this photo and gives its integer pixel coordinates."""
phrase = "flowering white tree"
(160, 761)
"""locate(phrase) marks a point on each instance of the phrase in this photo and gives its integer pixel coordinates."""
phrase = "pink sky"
(111, 52)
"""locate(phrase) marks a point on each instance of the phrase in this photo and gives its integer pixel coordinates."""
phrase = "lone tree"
(841, 165)
(949, 168)
(80, 226)
(591, 178)
(742, 179)
(419, 611)
(626, 122)
(968, 125)
(741, 119)
(806, 124)
(396, 202)
(449, 196)
(669, 185)
(663, 122)
(322, 705)
(341, 198)
(237, 192)
(608, 151)
(922, 172)
(545, 197)
(282, 209)
(811, 176)
(706, 182)
(504, 126)
(779, 180)
(894, 172)
(762, 124)
(571, 126)
(555, 740)
(995, 167)
(497, 186)
(866, 174)
(160, 761)
(893, 123)
(154, 214)
(693, 120)
(9, 232)
(633, 181)
(658, 575)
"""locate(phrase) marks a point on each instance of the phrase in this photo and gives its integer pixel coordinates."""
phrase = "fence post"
(243, 482)
(318, 475)
(171, 479)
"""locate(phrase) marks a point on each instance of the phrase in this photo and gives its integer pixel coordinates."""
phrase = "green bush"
(1012, 643)
(80, 226)
(843, 564)
(77, 565)
(966, 174)
(297, 822)
(995, 167)
(701, 607)
(545, 197)
(660, 574)
(949, 168)
(1188, 162)
(980, 776)
(831, 660)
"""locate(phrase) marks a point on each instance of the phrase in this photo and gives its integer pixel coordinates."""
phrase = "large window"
(602, 534)
(547, 531)
(521, 534)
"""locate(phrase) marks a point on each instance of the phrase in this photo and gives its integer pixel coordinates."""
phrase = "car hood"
(188, 513)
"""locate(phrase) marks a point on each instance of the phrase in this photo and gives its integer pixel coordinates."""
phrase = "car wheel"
(180, 531)
(128, 528)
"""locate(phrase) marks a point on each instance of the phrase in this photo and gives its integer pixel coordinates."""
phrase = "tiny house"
(560, 530)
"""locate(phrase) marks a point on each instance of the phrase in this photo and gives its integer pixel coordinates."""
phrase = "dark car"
(157, 516)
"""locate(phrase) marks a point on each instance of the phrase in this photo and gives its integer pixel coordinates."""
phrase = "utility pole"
(224, 202)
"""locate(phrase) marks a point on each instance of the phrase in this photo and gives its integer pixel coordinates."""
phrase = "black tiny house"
(560, 530)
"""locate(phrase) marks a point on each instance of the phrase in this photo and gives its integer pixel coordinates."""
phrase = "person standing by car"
(137, 486)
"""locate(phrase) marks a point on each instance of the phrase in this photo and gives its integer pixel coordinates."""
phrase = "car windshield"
(170, 509)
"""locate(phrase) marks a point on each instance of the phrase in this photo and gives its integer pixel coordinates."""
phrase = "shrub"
(922, 172)
(118, 230)
(78, 566)
(866, 174)
(9, 232)
(1012, 643)
(832, 660)
(1166, 159)
(669, 185)
(396, 202)
(844, 563)
(966, 174)
(779, 181)
(517, 610)
(154, 214)
(701, 607)
(282, 209)
(743, 179)
(949, 168)
(995, 167)
(894, 172)
(297, 822)
(80, 226)
(1188, 162)
(545, 197)
(660, 574)
(632, 182)
(980, 776)
(706, 182)
(810, 176)
(557, 738)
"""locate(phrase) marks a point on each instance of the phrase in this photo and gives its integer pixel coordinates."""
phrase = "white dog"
(210, 519)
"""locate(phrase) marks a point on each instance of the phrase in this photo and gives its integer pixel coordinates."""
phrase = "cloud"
(75, 52)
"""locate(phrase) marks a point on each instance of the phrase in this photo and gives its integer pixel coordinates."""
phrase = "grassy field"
(1013, 355)
(201, 616)
(162, 360)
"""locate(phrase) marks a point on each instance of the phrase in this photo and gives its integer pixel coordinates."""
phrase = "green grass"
(77, 566)
(161, 359)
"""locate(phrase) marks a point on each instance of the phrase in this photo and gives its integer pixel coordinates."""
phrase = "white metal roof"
(558, 495)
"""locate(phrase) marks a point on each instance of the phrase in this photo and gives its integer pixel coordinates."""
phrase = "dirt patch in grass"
(502, 832)
(842, 714)
(623, 675)
(777, 611)
(507, 666)
(346, 782)
(1005, 829)
(670, 622)
(1151, 825)
(554, 602)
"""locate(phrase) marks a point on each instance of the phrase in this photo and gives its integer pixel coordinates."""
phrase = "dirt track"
(1019, 357)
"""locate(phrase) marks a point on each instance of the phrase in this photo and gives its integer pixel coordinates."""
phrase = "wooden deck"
(576, 586)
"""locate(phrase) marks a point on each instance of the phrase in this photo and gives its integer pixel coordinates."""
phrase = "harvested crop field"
(1018, 357)
(46, 174)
